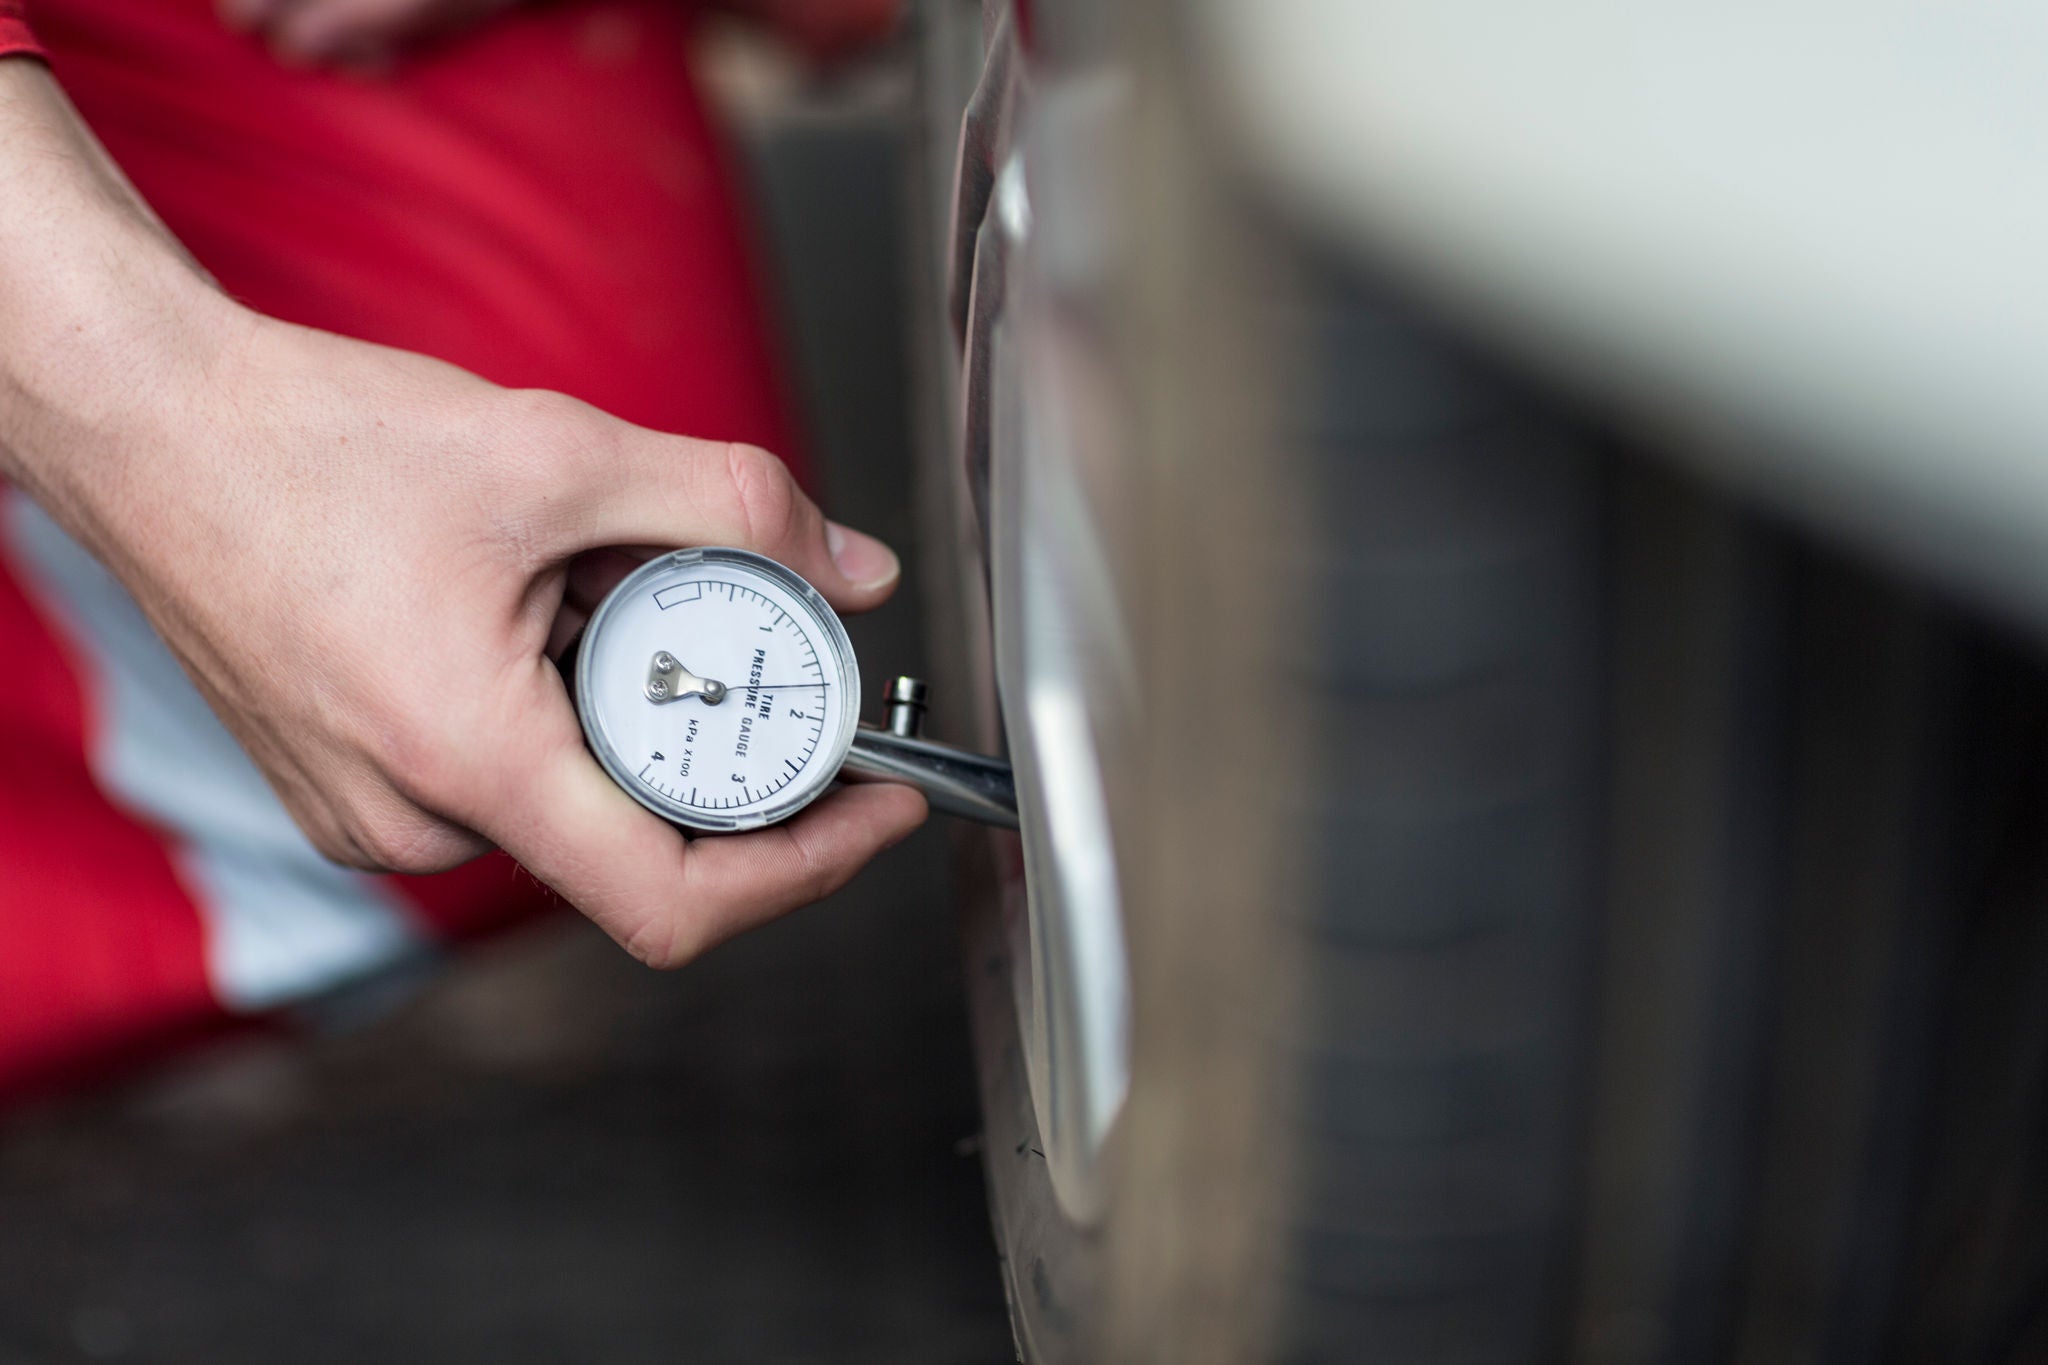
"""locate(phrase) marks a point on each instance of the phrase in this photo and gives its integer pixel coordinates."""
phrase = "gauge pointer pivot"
(668, 680)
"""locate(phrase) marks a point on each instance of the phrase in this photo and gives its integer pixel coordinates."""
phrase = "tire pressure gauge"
(721, 691)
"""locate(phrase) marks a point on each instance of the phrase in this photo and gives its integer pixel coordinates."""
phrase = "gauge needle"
(668, 680)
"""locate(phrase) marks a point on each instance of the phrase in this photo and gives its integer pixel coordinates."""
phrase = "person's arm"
(371, 32)
(360, 555)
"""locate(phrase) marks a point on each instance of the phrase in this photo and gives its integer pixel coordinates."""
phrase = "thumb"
(672, 491)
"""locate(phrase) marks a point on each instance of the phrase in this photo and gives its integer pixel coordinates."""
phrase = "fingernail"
(866, 562)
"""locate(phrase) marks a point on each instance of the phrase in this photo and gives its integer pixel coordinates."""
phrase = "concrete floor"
(551, 1154)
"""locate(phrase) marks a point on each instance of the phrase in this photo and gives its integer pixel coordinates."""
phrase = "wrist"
(104, 321)
(92, 359)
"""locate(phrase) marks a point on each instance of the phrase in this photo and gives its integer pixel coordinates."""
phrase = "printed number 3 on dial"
(718, 688)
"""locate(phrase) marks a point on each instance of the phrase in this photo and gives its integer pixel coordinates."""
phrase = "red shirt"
(14, 34)
(543, 202)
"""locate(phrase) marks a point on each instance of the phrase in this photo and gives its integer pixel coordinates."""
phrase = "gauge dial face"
(718, 688)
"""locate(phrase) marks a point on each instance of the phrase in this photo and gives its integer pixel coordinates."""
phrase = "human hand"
(370, 33)
(823, 28)
(354, 32)
(361, 555)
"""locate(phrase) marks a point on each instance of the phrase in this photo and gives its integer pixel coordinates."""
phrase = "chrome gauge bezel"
(830, 633)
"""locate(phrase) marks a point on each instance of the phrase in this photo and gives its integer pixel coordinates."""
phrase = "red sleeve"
(14, 35)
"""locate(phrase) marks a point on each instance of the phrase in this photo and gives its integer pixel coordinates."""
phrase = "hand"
(363, 33)
(360, 555)
(823, 28)
(369, 33)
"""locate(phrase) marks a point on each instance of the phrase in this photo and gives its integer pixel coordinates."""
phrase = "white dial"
(718, 688)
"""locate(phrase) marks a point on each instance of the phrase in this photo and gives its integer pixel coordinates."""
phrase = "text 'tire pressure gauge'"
(721, 691)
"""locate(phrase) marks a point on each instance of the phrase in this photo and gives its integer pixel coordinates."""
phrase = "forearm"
(102, 313)
(395, 687)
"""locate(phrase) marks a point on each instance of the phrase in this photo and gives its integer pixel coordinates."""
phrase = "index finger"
(645, 488)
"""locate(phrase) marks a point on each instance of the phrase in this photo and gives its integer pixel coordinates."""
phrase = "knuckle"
(824, 879)
(545, 447)
(539, 410)
(765, 497)
(423, 768)
(816, 876)
(657, 943)
(337, 845)
(406, 843)
(404, 752)
(413, 817)
(342, 852)
(391, 743)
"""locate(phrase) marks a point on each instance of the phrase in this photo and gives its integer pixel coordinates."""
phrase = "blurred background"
(1509, 548)
(549, 1153)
